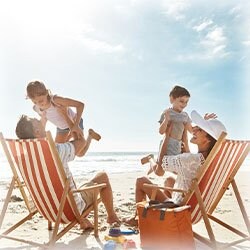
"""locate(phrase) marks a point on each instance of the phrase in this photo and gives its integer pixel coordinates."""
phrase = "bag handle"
(162, 206)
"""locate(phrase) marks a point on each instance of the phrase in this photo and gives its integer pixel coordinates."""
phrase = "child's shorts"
(65, 130)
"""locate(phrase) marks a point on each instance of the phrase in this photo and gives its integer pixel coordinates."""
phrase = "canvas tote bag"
(165, 228)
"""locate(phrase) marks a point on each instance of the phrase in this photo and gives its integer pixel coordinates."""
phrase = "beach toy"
(109, 245)
(129, 231)
(129, 244)
(118, 239)
(115, 232)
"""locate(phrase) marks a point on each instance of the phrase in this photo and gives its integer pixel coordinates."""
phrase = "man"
(29, 128)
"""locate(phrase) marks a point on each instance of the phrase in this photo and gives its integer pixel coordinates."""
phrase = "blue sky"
(122, 57)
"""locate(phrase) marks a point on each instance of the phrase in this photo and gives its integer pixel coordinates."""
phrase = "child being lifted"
(177, 122)
(58, 110)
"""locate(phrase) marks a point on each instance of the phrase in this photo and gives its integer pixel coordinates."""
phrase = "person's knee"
(101, 177)
(169, 182)
(140, 181)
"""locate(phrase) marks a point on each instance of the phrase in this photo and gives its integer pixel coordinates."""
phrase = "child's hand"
(167, 114)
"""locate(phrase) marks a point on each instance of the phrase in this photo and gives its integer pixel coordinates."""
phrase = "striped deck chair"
(41, 169)
(210, 184)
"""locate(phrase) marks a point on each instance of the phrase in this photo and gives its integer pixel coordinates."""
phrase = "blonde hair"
(36, 88)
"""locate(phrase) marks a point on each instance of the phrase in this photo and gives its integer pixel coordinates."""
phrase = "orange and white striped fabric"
(217, 177)
(42, 176)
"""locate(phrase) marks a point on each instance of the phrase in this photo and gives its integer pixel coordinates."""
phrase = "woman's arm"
(185, 146)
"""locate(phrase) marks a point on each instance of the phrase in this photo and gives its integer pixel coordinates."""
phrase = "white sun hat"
(212, 126)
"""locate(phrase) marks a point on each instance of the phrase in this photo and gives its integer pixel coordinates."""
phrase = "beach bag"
(165, 226)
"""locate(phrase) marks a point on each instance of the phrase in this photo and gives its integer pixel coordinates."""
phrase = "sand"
(123, 189)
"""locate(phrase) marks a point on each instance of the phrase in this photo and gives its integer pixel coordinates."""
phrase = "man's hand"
(76, 130)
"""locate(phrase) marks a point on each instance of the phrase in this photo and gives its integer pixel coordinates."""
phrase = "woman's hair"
(24, 128)
(178, 91)
(212, 142)
(36, 88)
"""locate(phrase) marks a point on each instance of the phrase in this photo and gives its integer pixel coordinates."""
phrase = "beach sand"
(124, 191)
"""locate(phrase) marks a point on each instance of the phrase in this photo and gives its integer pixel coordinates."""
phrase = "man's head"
(29, 128)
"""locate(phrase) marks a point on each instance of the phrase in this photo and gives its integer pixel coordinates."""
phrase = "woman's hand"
(208, 116)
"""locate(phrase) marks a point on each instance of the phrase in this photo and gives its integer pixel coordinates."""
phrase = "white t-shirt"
(67, 153)
(186, 166)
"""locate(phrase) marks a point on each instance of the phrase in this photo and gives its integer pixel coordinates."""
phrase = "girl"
(58, 111)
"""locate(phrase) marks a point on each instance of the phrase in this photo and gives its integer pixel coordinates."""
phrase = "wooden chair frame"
(17, 181)
(207, 212)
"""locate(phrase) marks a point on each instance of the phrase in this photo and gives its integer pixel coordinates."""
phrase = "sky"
(122, 58)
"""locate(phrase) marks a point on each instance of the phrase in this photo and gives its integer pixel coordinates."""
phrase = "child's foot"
(146, 159)
(94, 135)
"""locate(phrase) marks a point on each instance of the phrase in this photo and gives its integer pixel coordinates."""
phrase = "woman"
(186, 165)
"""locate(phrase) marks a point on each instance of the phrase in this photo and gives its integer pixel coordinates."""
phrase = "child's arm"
(42, 114)
(64, 112)
(67, 102)
(43, 119)
(164, 124)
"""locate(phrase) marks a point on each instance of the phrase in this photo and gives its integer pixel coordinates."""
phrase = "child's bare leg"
(145, 159)
(152, 164)
(163, 149)
(92, 135)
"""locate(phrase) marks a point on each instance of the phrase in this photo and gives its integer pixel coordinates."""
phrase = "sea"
(92, 162)
(110, 162)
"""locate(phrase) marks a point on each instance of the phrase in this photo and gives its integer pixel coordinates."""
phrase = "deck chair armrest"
(98, 186)
(154, 186)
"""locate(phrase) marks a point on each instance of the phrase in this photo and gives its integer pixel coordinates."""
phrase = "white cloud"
(219, 50)
(203, 25)
(216, 36)
(175, 8)
(236, 11)
(215, 43)
(246, 43)
(98, 46)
